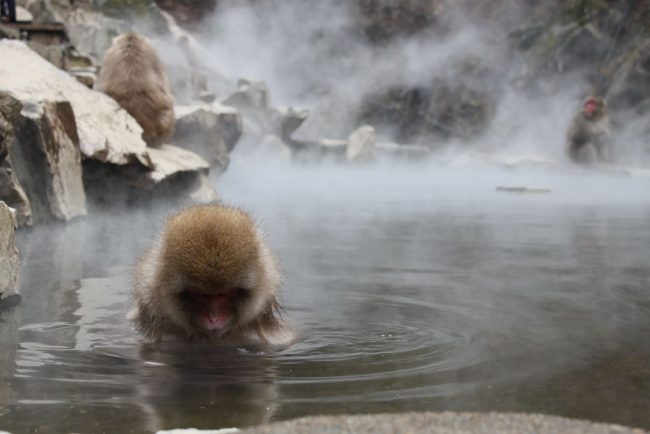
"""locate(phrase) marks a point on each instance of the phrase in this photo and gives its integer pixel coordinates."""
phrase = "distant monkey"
(209, 277)
(588, 135)
(133, 75)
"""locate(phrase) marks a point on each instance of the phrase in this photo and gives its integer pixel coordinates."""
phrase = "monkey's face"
(213, 272)
(212, 312)
(593, 107)
(203, 302)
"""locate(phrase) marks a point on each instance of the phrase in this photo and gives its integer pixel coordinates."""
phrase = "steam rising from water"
(454, 181)
(413, 287)
(314, 54)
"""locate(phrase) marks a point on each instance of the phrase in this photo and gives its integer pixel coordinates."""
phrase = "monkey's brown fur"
(208, 246)
(588, 134)
(133, 75)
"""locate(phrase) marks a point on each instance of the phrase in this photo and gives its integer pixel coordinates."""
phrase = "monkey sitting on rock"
(588, 135)
(210, 277)
(133, 75)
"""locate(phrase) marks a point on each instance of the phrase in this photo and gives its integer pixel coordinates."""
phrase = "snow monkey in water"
(588, 135)
(133, 75)
(209, 277)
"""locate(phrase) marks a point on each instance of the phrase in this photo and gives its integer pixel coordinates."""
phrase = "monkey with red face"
(588, 135)
(209, 277)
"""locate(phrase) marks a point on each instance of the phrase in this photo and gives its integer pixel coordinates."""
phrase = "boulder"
(383, 21)
(191, 75)
(286, 120)
(187, 84)
(46, 159)
(265, 125)
(23, 15)
(9, 259)
(86, 77)
(9, 32)
(250, 96)
(55, 54)
(177, 173)
(106, 131)
(92, 32)
(320, 151)
(188, 13)
(43, 12)
(109, 138)
(361, 145)
(11, 191)
(210, 130)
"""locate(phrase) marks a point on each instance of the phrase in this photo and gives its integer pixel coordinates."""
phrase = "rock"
(191, 76)
(321, 151)
(41, 164)
(9, 33)
(169, 160)
(286, 120)
(115, 156)
(383, 21)
(203, 192)
(212, 131)
(106, 132)
(43, 12)
(188, 13)
(9, 259)
(177, 173)
(441, 423)
(361, 145)
(263, 124)
(23, 15)
(187, 84)
(55, 54)
(207, 97)
(86, 77)
(47, 161)
(11, 191)
(250, 96)
(92, 32)
(9, 336)
(252, 136)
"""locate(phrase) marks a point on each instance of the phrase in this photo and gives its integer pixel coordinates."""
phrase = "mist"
(491, 274)
(315, 55)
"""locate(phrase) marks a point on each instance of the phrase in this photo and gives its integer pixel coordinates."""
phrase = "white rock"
(23, 15)
(9, 259)
(169, 160)
(210, 130)
(361, 144)
(106, 131)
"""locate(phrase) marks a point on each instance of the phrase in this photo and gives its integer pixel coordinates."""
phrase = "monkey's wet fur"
(209, 277)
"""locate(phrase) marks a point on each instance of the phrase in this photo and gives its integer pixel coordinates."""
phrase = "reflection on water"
(409, 293)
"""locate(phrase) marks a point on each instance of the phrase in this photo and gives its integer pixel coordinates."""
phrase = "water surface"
(411, 290)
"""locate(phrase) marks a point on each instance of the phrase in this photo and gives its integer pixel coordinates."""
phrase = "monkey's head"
(216, 274)
(593, 107)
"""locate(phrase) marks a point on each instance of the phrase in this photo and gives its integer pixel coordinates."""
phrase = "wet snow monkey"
(209, 277)
(588, 135)
(133, 75)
